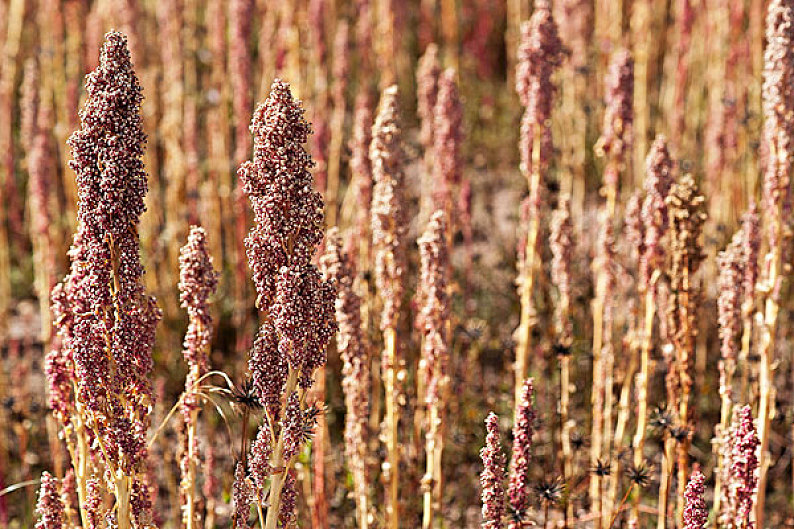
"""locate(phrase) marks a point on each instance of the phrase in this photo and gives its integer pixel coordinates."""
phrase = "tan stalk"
(527, 278)
(642, 382)
(279, 463)
(766, 406)
(620, 424)
(392, 420)
(597, 395)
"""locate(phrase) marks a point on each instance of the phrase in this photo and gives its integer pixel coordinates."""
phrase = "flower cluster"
(337, 266)
(303, 316)
(242, 496)
(197, 282)
(695, 512)
(360, 165)
(524, 427)
(288, 216)
(428, 71)
(778, 106)
(298, 302)
(751, 244)
(447, 137)
(105, 320)
(633, 227)
(561, 244)
(288, 213)
(259, 467)
(268, 369)
(388, 222)
(434, 306)
(492, 476)
(658, 180)
(50, 506)
(729, 303)
(686, 217)
(540, 53)
(742, 463)
(616, 137)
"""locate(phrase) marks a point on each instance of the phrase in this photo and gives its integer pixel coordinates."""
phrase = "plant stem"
(622, 420)
(189, 516)
(565, 430)
(123, 502)
(620, 506)
(392, 421)
(642, 384)
(277, 480)
(664, 482)
(528, 276)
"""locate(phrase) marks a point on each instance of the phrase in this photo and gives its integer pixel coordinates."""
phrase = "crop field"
(396, 264)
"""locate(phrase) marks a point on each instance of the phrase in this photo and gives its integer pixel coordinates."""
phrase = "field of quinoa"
(396, 264)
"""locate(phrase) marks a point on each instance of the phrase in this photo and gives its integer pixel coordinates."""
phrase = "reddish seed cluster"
(29, 104)
(434, 306)
(540, 53)
(447, 137)
(742, 466)
(197, 282)
(293, 426)
(289, 496)
(561, 244)
(268, 369)
(618, 115)
(50, 507)
(242, 496)
(288, 216)
(778, 106)
(298, 302)
(695, 512)
(259, 467)
(658, 180)
(360, 165)
(59, 363)
(388, 215)
(93, 503)
(633, 228)
(110, 311)
(492, 476)
(428, 71)
(524, 427)
(729, 303)
(751, 245)
(288, 213)
(337, 266)
(303, 316)
(616, 138)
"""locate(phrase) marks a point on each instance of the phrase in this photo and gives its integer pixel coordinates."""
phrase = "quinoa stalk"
(122, 493)
(392, 423)
(642, 383)
(665, 476)
(620, 424)
(527, 278)
(539, 56)
(597, 394)
(279, 464)
(778, 77)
